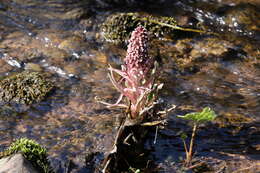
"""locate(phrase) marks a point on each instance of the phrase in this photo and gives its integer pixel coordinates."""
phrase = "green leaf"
(206, 114)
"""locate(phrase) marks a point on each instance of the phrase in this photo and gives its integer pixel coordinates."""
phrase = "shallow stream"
(63, 38)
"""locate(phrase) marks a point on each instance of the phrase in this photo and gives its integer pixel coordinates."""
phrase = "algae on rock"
(117, 27)
(25, 87)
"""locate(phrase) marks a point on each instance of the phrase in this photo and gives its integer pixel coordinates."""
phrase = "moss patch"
(25, 88)
(32, 151)
(118, 27)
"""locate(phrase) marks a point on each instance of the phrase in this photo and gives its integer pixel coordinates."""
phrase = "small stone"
(73, 43)
(72, 69)
(56, 56)
(16, 164)
(33, 67)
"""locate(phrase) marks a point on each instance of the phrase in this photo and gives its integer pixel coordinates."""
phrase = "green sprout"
(32, 151)
(197, 118)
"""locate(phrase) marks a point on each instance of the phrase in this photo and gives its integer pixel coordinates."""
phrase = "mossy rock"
(32, 151)
(118, 27)
(24, 88)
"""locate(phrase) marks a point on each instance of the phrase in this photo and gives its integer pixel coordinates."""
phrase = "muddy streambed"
(64, 39)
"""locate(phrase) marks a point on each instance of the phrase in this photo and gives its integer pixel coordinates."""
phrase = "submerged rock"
(33, 67)
(16, 163)
(242, 15)
(25, 88)
(237, 120)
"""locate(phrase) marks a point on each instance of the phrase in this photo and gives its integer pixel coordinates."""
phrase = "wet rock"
(75, 13)
(229, 119)
(53, 46)
(48, 10)
(73, 43)
(210, 46)
(243, 15)
(191, 55)
(71, 14)
(5, 67)
(56, 56)
(26, 87)
(101, 58)
(16, 164)
(72, 68)
(33, 67)
(14, 45)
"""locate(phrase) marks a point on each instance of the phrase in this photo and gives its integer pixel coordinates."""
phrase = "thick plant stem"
(189, 158)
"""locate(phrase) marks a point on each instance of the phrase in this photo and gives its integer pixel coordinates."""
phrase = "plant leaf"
(205, 115)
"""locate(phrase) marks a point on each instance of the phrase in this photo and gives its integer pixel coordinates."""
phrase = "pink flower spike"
(137, 76)
(137, 52)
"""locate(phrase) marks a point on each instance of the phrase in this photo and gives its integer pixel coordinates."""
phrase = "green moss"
(25, 88)
(118, 27)
(32, 151)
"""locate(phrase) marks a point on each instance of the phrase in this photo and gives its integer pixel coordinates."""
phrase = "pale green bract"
(205, 115)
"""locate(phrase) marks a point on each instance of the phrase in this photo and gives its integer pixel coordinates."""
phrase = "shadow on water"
(213, 145)
(63, 39)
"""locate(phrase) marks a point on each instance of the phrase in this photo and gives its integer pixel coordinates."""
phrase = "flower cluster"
(137, 61)
(137, 76)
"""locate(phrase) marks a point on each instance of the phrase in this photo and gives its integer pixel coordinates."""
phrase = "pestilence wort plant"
(137, 77)
(197, 118)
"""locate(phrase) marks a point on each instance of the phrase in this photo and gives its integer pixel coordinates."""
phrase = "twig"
(167, 110)
(196, 165)
(172, 26)
(109, 105)
(155, 137)
(126, 139)
(176, 27)
(153, 123)
(185, 147)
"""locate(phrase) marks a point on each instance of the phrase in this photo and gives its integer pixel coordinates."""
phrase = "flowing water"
(63, 38)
